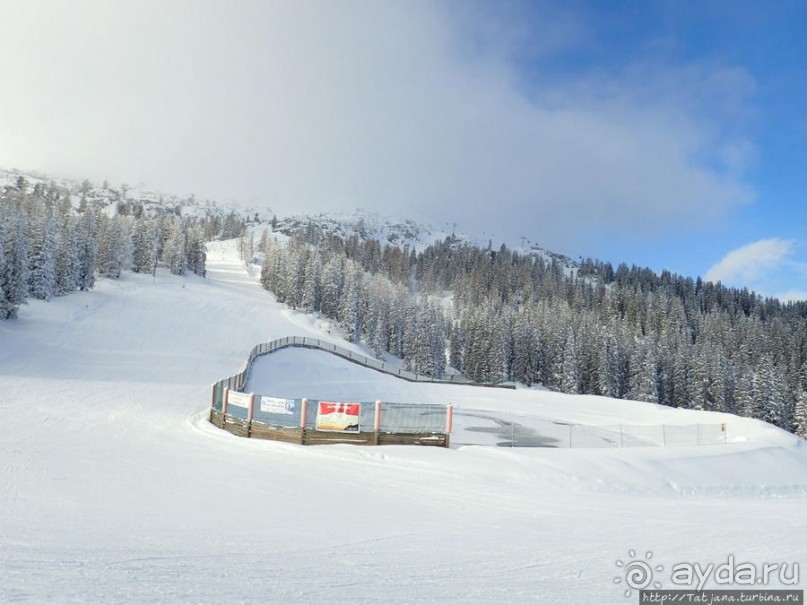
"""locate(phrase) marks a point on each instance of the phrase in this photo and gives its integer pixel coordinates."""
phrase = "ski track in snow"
(117, 490)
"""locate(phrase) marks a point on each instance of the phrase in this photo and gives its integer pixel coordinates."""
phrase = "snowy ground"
(116, 490)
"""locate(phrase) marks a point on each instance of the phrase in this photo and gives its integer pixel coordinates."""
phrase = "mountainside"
(489, 313)
(365, 226)
(116, 489)
(401, 232)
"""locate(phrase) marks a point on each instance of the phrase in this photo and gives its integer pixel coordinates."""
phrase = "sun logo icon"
(637, 574)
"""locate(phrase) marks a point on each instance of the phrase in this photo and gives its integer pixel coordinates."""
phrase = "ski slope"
(115, 489)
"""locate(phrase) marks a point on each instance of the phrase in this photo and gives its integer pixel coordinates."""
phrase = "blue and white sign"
(273, 405)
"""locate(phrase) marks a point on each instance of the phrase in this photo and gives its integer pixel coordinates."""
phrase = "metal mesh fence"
(218, 394)
(395, 417)
(405, 417)
(557, 435)
(316, 343)
(418, 418)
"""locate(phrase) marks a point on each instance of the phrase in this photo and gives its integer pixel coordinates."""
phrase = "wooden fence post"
(377, 422)
(449, 418)
(250, 414)
(224, 402)
(303, 415)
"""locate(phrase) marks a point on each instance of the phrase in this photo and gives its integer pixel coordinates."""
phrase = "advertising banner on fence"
(333, 416)
(273, 405)
(239, 399)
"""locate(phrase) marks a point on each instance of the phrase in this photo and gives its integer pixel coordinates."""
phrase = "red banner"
(338, 416)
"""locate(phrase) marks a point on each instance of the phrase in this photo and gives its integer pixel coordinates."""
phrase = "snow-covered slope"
(115, 489)
(417, 234)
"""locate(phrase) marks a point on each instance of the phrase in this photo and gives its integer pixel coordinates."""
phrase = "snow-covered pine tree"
(371, 320)
(570, 373)
(87, 250)
(438, 342)
(349, 314)
(105, 242)
(379, 338)
(744, 393)
(411, 333)
(332, 283)
(800, 415)
(498, 353)
(769, 394)
(525, 344)
(608, 375)
(397, 321)
(246, 246)
(7, 309)
(643, 384)
(114, 245)
(44, 250)
(273, 267)
(195, 252)
(455, 335)
(145, 245)
(427, 339)
(476, 342)
(67, 262)
(233, 226)
(703, 388)
(312, 283)
(295, 266)
(682, 370)
(175, 245)
(14, 279)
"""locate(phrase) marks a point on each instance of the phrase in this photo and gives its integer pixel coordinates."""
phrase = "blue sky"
(662, 134)
(766, 42)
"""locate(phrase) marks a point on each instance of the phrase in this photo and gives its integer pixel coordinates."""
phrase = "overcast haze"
(495, 116)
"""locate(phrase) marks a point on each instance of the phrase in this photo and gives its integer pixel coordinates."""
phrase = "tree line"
(50, 248)
(499, 315)
(369, 307)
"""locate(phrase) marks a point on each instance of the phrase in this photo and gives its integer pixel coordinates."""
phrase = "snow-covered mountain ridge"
(416, 233)
(123, 197)
(367, 225)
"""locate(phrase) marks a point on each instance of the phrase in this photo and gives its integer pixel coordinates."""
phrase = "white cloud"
(391, 106)
(752, 263)
(793, 296)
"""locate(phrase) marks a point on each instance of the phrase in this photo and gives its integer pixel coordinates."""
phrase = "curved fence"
(310, 422)
(237, 382)
(304, 421)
